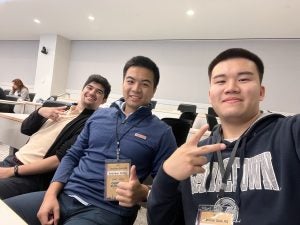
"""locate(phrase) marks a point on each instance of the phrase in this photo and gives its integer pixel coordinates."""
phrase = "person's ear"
(262, 93)
(209, 100)
(154, 90)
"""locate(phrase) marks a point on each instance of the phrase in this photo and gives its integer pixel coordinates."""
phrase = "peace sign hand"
(188, 159)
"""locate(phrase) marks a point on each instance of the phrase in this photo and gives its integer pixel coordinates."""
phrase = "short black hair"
(142, 61)
(237, 53)
(100, 80)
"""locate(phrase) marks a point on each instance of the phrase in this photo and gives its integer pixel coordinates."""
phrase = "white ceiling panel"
(149, 20)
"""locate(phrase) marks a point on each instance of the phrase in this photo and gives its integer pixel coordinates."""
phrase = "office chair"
(179, 127)
(211, 111)
(212, 121)
(6, 91)
(31, 96)
(187, 108)
(6, 108)
(11, 98)
(211, 118)
(9, 107)
(189, 117)
(153, 104)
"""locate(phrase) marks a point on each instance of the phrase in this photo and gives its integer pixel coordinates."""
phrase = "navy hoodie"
(263, 186)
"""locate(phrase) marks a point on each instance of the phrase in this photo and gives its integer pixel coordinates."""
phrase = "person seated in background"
(254, 179)
(20, 90)
(3, 107)
(6, 108)
(99, 179)
(2, 94)
(53, 130)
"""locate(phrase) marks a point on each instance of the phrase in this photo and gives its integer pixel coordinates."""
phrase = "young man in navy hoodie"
(247, 171)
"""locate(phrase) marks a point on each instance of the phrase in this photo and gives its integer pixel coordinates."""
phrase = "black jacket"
(64, 140)
(4, 107)
(263, 187)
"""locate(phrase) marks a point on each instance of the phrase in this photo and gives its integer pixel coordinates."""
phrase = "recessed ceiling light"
(91, 18)
(3, 1)
(190, 12)
(37, 21)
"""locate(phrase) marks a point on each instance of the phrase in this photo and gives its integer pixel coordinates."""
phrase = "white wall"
(18, 59)
(52, 68)
(183, 66)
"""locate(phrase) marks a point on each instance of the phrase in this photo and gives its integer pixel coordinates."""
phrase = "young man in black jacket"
(53, 130)
(254, 179)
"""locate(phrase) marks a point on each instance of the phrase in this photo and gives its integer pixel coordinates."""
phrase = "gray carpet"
(141, 218)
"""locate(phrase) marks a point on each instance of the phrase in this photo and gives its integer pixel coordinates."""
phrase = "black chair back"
(6, 108)
(31, 96)
(153, 104)
(189, 117)
(179, 127)
(211, 111)
(187, 108)
(211, 118)
(11, 98)
(6, 91)
(9, 108)
(212, 121)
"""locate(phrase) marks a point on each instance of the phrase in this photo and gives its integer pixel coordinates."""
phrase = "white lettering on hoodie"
(258, 174)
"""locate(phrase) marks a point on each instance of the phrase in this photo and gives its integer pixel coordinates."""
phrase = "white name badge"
(115, 171)
(208, 215)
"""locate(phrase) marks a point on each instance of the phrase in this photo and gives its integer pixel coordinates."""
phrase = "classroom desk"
(29, 107)
(161, 113)
(9, 102)
(10, 134)
(8, 216)
(22, 106)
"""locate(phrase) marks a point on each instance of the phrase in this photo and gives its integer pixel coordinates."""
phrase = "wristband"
(149, 190)
(16, 171)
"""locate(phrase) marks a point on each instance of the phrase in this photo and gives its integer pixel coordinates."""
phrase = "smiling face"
(92, 96)
(235, 90)
(138, 88)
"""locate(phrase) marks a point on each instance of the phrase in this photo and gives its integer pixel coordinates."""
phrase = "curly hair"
(19, 84)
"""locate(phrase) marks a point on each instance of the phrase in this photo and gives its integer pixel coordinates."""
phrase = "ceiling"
(149, 19)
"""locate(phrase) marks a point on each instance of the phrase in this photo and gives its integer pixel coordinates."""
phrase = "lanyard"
(119, 138)
(226, 172)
